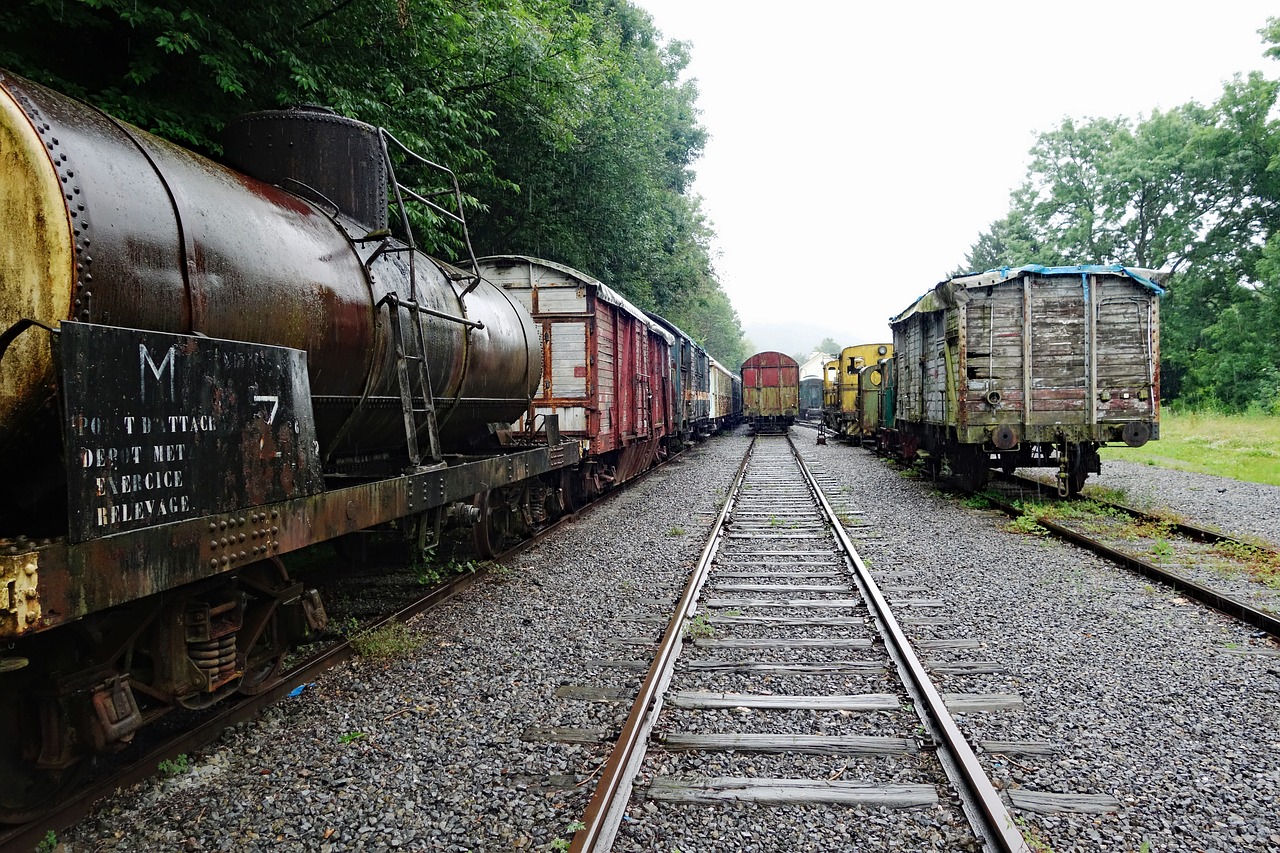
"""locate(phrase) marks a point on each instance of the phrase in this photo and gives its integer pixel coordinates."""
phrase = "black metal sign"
(162, 427)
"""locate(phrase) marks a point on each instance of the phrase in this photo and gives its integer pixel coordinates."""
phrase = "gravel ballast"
(1146, 697)
(1155, 701)
(428, 753)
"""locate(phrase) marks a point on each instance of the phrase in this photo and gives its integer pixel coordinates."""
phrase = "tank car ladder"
(418, 405)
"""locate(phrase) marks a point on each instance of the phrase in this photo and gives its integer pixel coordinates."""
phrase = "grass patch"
(1242, 447)
(1261, 564)
(174, 766)
(676, 531)
(1027, 525)
(698, 628)
(390, 642)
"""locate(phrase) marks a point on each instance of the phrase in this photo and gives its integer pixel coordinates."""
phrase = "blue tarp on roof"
(1081, 269)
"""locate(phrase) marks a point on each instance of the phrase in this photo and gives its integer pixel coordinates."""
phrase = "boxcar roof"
(770, 358)
(603, 291)
(672, 328)
(945, 293)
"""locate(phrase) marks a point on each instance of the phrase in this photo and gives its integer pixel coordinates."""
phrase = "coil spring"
(216, 658)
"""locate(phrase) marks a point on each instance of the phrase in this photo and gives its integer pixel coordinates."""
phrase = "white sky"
(859, 148)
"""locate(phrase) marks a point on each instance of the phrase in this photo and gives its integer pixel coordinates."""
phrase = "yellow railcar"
(841, 398)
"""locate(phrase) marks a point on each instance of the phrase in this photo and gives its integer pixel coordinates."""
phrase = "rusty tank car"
(203, 368)
(1036, 366)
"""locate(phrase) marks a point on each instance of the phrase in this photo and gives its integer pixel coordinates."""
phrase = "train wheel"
(1077, 471)
(496, 526)
(31, 727)
(970, 466)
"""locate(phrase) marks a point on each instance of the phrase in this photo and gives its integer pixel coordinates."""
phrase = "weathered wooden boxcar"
(687, 358)
(1035, 366)
(726, 398)
(606, 366)
(770, 391)
(841, 413)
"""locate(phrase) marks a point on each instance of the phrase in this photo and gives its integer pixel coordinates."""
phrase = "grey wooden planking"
(917, 602)
(774, 701)
(963, 703)
(949, 644)
(594, 694)
(841, 667)
(617, 664)
(925, 620)
(780, 587)
(760, 573)
(964, 667)
(1019, 747)
(777, 743)
(739, 603)
(1046, 802)
(785, 791)
(630, 641)
(787, 621)
(561, 734)
(795, 643)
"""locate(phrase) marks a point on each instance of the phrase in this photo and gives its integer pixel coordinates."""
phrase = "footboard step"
(788, 791)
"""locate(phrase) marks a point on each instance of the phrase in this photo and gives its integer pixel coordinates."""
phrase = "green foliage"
(676, 531)
(49, 843)
(175, 766)
(351, 737)
(567, 121)
(1027, 525)
(392, 641)
(1193, 191)
(699, 628)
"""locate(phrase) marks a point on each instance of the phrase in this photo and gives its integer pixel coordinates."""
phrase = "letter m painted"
(158, 371)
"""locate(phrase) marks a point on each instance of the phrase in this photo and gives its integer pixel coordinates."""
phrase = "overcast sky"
(858, 149)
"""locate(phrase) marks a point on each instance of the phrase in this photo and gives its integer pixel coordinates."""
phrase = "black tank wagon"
(1034, 366)
(201, 371)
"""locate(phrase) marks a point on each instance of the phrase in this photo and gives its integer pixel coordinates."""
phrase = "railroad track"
(146, 762)
(782, 660)
(1185, 556)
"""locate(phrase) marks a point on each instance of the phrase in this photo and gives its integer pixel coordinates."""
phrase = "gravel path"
(427, 754)
(1167, 707)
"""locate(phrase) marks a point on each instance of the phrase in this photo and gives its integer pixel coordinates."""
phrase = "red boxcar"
(606, 366)
(770, 391)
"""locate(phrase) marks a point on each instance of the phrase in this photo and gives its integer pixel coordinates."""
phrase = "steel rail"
(990, 819)
(76, 806)
(603, 813)
(1220, 601)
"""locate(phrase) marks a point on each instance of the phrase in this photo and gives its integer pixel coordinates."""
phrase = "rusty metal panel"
(771, 386)
(605, 351)
(153, 421)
